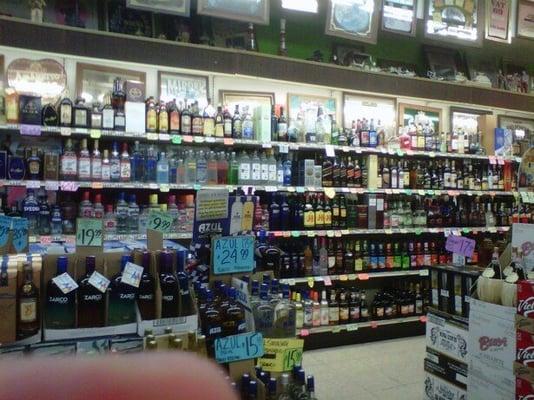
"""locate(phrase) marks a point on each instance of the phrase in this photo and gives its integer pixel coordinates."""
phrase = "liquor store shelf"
(417, 231)
(358, 325)
(47, 239)
(284, 147)
(73, 186)
(352, 277)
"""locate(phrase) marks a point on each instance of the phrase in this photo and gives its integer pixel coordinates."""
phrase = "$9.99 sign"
(233, 254)
(89, 232)
(159, 221)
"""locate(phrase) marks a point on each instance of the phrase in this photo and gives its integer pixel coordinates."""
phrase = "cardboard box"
(480, 389)
(372, 171)
(437, 388)
(135, 117)
(135, 91)
(447, 338)
(525, 348)
(492, 343)
(446, 368)
(524, 389)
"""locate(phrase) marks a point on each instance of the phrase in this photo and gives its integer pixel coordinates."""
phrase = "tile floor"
(391, 369)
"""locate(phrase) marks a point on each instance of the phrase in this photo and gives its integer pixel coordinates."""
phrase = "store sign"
(233, 254)
(281, 354)
(498, 19)
(239, 347)
(20, 234)
(46, 78)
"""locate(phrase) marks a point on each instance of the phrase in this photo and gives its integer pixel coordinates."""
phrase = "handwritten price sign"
(159, 221)
(233, 254)
(239, 347)
(20, 234)
(89, 232)
(5, 226)
(281, 354)
(460, 245)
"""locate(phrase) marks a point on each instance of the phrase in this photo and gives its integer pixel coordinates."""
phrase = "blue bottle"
(151, 165)
(56, 224)
(30, 210)
(17, 168)
(287, 172)
(274, 215)
(137, 162)
(162, 169)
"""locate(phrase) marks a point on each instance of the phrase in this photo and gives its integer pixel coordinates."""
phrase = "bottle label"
(125, 170)
(80, 117)
(163, 122)
(282, 129)
(343, 313)
(28, 310)
(151, 120)
(96, 168)
(108, 119)
(309, 219)
(84, 168)
(272, 173)
(324, 316)
(327, 218)
(228, 127)
(175, 121)
(197, 126)
(68, 165)
(319, 218)
(209, 127)
(256, 172)
(115, 170)
(244, 171)
(333, 314)
(186, 124)
(343, 212)
(354, 313)
(65, 113)
(106, 172)
(264, 172)
(358, 264)
(33, 166)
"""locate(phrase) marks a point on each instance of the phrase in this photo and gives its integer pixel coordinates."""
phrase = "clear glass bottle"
(106, 167)
(115, 163)
(133, 215)
(110, 221)
(202, 168)
(244, 169)
(96, 163)
(264, 313)
(151, 165)
(30, 211)
(98, 207)
(56, 224)
(162, 169)
(125, 166)
(69, 162)
(122, 210)
(86, 207)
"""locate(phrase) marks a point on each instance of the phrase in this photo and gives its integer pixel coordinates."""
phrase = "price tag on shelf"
(95, 133)
(210, 139)
(89, 232)
(152, 136)
(270, 188)
(300, 189)
(282, 354)
(421, 192)
(198, 139)
(99, 281)
(432, 154)
(266, 145)
(164, 188)
(286, 234)
(311, 282)
(330, 152)
(197, 187)
(164, 137)
(188, 139)
(310, 233)
(228, 141)
(336, 329)
(160, 221)
(310, 189)
(295, 233)
(492, 230)
(363, 277)
(460, 245)
(97, 185)
(400, 153)
(330, 233)
(327, 281)
(408, 192)
(19, 229)
(352, 327)
(283, 148)
(374, 324)
(51, 186)
(423, 319)
(233, 254)
(30, 130)
(239, 347)
(65, 283)
(423, 272)
(343, 278)
(500, 160)
(465, 230)
(132, 274)
(492, 160)
(389, 231)
(5, 226)
(352, 277)
(304, 332)
(291, 282)
(176, 139)
(33, 184)
(69, 186)
(337, 234)
(418, 231)
(65, 131)
(330, 193)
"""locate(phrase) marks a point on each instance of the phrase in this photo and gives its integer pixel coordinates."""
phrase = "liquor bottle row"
(325, 256)
(343, 306)
(281, 212)
(86, 306)
(294, 386)
(126, 216)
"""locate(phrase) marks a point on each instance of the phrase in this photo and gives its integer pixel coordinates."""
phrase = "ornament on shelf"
(36, 7)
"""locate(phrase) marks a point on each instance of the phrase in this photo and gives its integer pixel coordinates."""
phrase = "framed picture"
(251, 100)
(176, 7)
(525, 19)
(353, 19)
(192, 88)
(351, 56)
(94, 82)
(482, 72)
(454, 21)
(381, 111)
(443, 63)
(465, 119)
(522, 133)
(254, 11)
(311, 6)
(121, 19)
(415, 114)
(399, 16)
(499, 20)
(306, 107)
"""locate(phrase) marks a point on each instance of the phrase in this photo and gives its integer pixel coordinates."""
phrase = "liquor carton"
(135, 117)
(29, 109)
(525, 298)
(524, 390)
(438, 388)
(492, 343)
(480, 389)
(135, 92)
(447, 337)
(525, 348)
(446, 368)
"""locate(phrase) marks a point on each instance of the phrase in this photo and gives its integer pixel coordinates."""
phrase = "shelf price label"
(30, 130)
(5, 226)
(239, 347)
(282, 354)
(160, 221)
(176, 139)
(460, 245)
(89, 232)
(232, 254)
(20, 234)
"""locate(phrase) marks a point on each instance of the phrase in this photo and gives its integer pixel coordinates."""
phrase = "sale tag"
(363, 277)
(95, 133)
(239, 347)
(352, 327)
(69, 186)
(228, 141)
(30, 130)
(152, 136)
(89, 232)
(311, 282)
(65, 283)
(327, 281)
(418, 231)
(460, 245)
(99, 281)
(64, 131)
(160, 221)
(232, 254)
(282, 354)
(176, 139)
(20, 233)
(5, 226)
(400, 153)
(330, 152)
(132, 274)
(295, 233)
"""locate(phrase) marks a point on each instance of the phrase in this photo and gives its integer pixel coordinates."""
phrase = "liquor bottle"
(274, 124)
(133, 215)
(118, 96)
(96, 163)
(60, 307)
(163, 118)
(44, 215)
(121, 298)
(174, 117)
(247, 125)
(282, 49)
(95, 117)
(91, 301)
(197, 123)
(120, 120)
(219, 122)
(34, 165)
(282, 127)
(151, 165)
(208, 119)
(84, 162)
(333, 309)
(115, 163)
(228, 123)
(186, 120)
(364, 310)
(264, 313)
(28, 313)
(81, 114)
(49, 115)
(202, 168)
(146, 292)
(125, 168)
(169, 287)
(65, 112)
(236, 123)
(106, 167)
(122, 211)
(68, 162)
(86, 207)
(151, 116)
(251, 39)
(30, 211)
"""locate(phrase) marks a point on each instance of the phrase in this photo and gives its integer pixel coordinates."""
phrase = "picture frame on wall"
(399, 16)
(465, 119)
(353, 19)
(253, 11)
(94, 82)
(382, 110)
(499, 21)
(414, 113)
(121, 19)
(305, 107)
(248, 99)
(173, 85)
(525, 22)
(175, 7)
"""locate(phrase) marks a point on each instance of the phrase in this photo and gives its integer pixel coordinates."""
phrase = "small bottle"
(84, 162)
(110, 221)
(106, 167)
(162, 169)
(56, 222)
(125, 166)
(34, 165)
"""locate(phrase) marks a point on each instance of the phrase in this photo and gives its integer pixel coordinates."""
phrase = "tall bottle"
(60, 311)
(169, 286)
(69, 162)
(115, 163)
(84, 162)
(121, 298)
(96, 163)
(28, 313)
(146, 298)
(264, 313)
(162, 175)
(91, 301)
(282, 126)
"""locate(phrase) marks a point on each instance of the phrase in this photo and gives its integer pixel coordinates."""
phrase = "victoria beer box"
(524, 390)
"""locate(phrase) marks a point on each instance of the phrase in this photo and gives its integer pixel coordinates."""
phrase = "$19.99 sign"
(233, 254)
(239, 347)
(89, 232)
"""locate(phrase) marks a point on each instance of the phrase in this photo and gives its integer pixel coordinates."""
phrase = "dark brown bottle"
(91, 301)
(327, 172)
(28, 321)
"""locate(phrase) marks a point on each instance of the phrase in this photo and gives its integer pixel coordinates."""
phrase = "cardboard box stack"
(524, 354)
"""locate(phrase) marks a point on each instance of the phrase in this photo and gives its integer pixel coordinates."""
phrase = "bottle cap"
(98, 198)
(86, 196)
(62, 263)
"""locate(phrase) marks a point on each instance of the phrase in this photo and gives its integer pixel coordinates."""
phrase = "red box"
(524, 390)
(525, 348)
(525, 298)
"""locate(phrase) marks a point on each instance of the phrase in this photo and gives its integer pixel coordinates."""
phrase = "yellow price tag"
(330, 193)
(311, 282)
(95, 133)
(281, 354)
(164, 188)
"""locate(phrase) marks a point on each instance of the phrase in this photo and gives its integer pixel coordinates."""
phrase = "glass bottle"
(169, 286)
(121, 298)
(91, 301)
(69, 162)
(162, 169)
(115, 163)
(60, 307)
(28, 309)
(146, 292)
(96, 163)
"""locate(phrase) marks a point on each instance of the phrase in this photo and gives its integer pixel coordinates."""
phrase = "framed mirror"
(179, 86)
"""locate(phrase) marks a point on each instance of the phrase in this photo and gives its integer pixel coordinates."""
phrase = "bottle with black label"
(169, 287)
(146, 293)
(60, 312)
(121, 298)
(91, 301)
